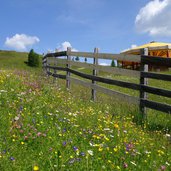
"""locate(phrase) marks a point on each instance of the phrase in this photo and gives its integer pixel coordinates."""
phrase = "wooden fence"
(51, 63)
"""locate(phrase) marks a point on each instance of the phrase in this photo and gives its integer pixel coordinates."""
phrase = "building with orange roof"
(155, 49)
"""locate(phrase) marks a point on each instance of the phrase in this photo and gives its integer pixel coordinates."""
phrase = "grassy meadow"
(48, 128)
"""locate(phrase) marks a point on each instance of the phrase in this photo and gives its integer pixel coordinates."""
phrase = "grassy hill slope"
(45, 127)
(12, 59)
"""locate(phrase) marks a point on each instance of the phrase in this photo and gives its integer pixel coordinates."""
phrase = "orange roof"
(151, 46)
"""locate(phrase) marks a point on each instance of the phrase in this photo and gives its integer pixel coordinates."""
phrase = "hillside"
(12, 59)
(46, 127)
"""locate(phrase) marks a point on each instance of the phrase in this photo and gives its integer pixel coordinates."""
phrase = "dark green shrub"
(33, 59)
(77, 58)
(113, 63)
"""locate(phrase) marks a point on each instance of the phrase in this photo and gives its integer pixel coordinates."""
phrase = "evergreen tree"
(113, 63)
(33, 59)
(77, 58)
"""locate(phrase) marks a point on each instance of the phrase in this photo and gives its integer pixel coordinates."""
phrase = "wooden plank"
(157, 91)
(56, 75)
(158, 76)
(122, 57)
(157, 106)
(113, 70)
(156, 60)
(109, 69)
(81, 54)
(57, 68)
(119, 71)
(81, 64)
(56, 54)
(59, 61)
(106, 80)
(122, 96)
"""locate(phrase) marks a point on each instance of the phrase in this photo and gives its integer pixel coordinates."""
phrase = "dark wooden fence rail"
(51, 60)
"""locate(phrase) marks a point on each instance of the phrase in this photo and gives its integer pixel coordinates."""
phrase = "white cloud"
(154, 18)
(63, 47)
(21, 41)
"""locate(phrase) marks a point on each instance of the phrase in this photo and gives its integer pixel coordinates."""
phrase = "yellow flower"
(107, 139)
(14, 136)
(94, 136)
(22, 143)
(35, 168)
(160, 152)
(118, 167)
(115, 149)
(116, 126)
(100, 149)
(109, 161)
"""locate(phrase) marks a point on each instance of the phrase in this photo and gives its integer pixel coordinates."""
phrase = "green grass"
(45, 125)
(12, 59)
(156, 120)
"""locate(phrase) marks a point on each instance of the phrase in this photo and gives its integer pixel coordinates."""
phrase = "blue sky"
(110, 25)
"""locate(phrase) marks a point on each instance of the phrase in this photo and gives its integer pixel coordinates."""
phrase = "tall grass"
(46, 127)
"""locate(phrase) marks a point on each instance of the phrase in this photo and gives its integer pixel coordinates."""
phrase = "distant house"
(156, 49)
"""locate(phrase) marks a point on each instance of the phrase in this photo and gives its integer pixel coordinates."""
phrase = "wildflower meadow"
(45, 127)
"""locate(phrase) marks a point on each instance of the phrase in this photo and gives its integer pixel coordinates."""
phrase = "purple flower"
(12, 158)
(163, 167)
(125, 165)
(64, 130)
(75, 148)
(64, 143)
(82, 154)
(129, 147)
(39, 134)
(21, 108)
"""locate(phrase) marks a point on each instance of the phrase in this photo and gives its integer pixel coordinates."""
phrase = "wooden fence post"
(55, 71)
(44, 64)
(47, 64)
(68, 66)
(143, 81)
(95, 62)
